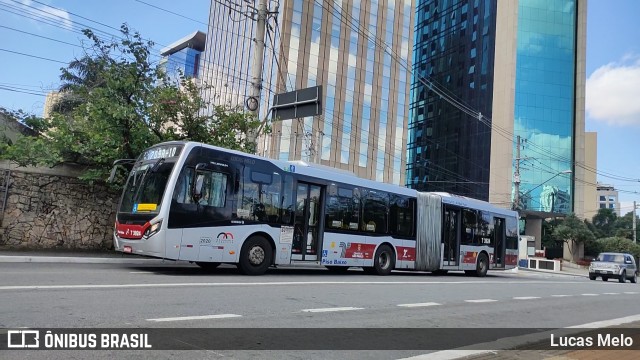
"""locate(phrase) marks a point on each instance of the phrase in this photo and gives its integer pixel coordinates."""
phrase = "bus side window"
(401, 219)
(286, 205)
(212, 186)
(469, 224)
(376, 216)
(182, 192)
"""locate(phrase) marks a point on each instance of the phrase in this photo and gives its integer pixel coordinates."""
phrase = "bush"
(584, 262)
(618, 244)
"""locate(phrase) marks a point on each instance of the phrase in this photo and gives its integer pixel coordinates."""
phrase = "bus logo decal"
(225, 236)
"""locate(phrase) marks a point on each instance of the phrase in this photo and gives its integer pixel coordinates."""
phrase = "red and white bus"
(209, 205)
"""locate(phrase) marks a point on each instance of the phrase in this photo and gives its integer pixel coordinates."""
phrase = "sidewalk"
(564, 271)
(75, 257)
(524, 352)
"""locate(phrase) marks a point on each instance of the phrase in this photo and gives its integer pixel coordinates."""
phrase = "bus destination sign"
(162, 152)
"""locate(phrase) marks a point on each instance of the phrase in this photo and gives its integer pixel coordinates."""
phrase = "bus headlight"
(152, 230)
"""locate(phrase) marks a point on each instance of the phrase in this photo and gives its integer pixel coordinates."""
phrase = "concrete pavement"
(149, 296)
(112, 257)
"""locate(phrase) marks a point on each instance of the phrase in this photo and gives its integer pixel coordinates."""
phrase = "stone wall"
(45, 211)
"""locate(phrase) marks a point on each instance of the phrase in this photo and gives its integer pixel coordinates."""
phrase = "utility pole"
(253, 101)
(516, 177)
(634, 222)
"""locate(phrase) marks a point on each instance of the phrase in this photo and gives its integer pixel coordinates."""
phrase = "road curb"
(77, 260)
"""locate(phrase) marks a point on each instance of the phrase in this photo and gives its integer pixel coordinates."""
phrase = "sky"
(612, 69)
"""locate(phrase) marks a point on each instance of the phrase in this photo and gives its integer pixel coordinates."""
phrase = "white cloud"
(56, 15)
(612, 92)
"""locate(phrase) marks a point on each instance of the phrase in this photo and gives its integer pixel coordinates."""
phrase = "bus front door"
(307, 239)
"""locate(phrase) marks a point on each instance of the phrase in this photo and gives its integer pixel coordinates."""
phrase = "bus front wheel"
(255, 256)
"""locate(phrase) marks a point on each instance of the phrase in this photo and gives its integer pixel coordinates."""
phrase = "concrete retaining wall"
(46, 211)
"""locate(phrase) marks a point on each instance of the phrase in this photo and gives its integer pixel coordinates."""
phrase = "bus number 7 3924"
(204, 204)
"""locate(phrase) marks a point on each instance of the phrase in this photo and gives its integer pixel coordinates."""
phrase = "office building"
(608, 198)
(509, 69)
(183, 57)
(359, 51)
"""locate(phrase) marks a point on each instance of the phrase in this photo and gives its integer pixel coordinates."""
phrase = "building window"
(603, 198)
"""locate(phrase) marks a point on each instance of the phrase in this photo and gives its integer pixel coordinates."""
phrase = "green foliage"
(572, 230)
(604, 223)
(116, 103)
(618, 244)
(624, 227)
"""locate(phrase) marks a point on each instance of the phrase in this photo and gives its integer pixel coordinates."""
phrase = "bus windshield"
(145, 187)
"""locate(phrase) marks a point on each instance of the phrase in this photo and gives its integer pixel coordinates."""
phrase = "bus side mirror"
(196, 192)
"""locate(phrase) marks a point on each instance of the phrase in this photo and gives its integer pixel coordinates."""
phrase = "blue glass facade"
(185, 61)
(448, 149)
(544, 102)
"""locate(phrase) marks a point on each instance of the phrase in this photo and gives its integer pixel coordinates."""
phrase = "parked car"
(620, 266)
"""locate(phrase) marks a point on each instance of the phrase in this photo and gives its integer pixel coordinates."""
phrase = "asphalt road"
(182, 296)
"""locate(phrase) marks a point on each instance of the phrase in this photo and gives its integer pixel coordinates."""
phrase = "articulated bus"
(204, 204)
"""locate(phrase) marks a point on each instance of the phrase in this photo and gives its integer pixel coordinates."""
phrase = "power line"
(33, 56)
(172, 12)
(40, 36)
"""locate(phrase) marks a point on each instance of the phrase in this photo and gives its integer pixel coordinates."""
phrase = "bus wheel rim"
(256, 255)
(383, 260)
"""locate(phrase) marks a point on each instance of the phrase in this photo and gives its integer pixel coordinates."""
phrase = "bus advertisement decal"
(406, 253)
(470, 257)
(357, 251)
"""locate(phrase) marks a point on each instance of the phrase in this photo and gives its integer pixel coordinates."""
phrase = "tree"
(573, 232)
(619, 244)
(121, 103)
(624, 226)
(604, 223)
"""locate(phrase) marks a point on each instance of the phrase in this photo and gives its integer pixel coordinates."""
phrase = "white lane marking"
(419, 304)
(202, 317)
(561, 295)
(611, 293)
(631, 292)
(526, 297)
(589, 294)
(332, 309)
(480, 300)
(274, 283)
(517, 340)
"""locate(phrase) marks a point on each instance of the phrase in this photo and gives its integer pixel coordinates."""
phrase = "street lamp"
(520, 196)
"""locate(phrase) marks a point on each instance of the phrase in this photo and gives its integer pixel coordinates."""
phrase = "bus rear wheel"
(208, 265)
(482, 265)
(255, 256)
(384, 261)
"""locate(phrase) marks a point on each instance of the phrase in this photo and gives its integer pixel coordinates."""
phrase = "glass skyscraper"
(359, 51)
(449, 149)
(521, 65)
(545, 101)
